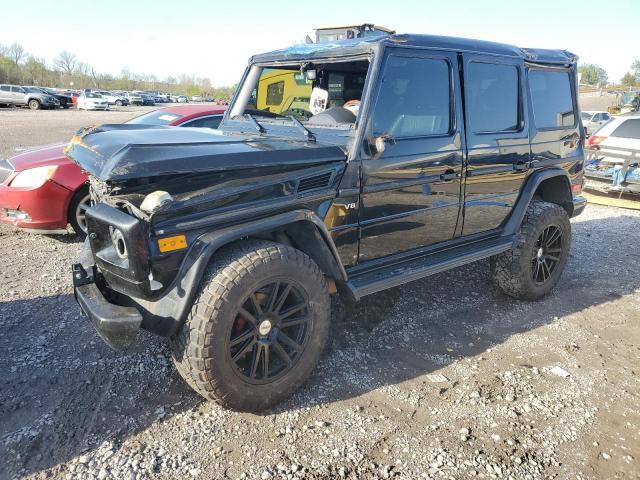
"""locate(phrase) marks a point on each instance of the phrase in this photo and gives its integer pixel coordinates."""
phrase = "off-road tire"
(34, 104)
(512, 270)
(235, 272)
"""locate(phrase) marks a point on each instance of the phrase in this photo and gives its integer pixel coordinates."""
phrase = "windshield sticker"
(318, 102)
(168, 117)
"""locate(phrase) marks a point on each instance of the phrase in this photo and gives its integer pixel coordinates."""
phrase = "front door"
(497, 135)
(410, 194)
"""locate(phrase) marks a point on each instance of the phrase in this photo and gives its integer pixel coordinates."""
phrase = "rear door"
(411, 192)
(497, 139)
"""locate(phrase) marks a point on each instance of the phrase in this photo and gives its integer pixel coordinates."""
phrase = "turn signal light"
(171, 244)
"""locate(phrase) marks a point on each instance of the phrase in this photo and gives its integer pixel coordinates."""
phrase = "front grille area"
(6, 169)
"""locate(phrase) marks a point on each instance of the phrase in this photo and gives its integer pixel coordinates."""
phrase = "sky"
(215, 39)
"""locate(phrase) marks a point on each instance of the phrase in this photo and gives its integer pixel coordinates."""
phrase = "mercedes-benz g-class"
(366, 164)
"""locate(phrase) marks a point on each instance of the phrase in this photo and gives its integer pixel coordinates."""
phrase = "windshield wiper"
(308, 134)
(259, 127)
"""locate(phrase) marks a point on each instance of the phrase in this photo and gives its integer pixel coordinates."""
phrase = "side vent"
(317, 181)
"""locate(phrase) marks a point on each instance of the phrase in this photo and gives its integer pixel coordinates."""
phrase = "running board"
(368, 282)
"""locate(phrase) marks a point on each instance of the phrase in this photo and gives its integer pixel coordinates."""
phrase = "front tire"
(34, 104)
(257, 326)
(534, 265)
(80, 202)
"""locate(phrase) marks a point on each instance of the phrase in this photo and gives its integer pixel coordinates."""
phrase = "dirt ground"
(442, 378)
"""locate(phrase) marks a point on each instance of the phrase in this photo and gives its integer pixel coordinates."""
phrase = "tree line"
(597, 76)
(67, 71)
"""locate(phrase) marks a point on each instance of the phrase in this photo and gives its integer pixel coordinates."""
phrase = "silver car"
(593, 120)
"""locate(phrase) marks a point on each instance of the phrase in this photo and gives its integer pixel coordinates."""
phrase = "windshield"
(315, 94)
(157, 117)
(32, 89)
(93, 95)
(586, 116)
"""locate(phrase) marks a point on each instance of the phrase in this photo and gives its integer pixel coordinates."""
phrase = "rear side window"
(414, 99)
(551, 99)
(628, 129)
(492, 97)
(5, 88)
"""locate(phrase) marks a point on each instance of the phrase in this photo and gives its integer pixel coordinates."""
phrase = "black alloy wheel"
(270, 332)
(546, 254)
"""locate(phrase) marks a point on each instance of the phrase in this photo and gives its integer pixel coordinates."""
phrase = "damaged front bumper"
(116, 324)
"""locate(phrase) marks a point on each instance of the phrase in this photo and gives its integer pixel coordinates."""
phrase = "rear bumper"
(117, 325)
(579, 204)
(45, 206)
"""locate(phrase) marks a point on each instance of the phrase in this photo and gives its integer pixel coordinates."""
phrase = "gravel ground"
(441, 378)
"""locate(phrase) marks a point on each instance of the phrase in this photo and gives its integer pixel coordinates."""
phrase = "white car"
(92, 101)
(614, 161)
(112, 98)
(593, 120)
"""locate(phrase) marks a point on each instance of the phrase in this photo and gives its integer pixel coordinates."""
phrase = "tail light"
(576, 188)
(595, 140)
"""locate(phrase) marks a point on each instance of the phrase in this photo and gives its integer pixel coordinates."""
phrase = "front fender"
(166, 315)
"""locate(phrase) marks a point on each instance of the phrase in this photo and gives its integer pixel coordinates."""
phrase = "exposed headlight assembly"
(33, 177)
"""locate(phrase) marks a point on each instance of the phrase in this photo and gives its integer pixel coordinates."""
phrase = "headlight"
(33, 177)
(155, 200)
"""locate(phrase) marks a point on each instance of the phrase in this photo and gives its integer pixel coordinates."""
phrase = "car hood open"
(121, 152)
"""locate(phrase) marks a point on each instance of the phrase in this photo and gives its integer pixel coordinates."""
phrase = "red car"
(42, 190)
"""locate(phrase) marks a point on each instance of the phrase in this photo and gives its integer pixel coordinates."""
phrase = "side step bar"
(366, 283)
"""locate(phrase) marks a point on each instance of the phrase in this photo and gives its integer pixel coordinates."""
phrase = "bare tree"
(16, 53)
(66, 62)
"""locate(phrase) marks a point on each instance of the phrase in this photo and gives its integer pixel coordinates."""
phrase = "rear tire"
(256, 328)
(534, 265)
(34, 104)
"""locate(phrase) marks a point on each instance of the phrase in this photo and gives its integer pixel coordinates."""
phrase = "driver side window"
(414, 99)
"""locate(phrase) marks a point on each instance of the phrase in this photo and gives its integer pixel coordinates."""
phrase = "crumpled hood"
(121, 152)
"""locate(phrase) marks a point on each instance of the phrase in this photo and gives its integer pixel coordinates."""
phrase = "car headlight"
(33, 177)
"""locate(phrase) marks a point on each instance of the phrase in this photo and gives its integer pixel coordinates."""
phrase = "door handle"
(520, 166)
(447, 176)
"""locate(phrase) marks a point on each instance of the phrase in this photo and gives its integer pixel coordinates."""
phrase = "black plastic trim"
(117, 325)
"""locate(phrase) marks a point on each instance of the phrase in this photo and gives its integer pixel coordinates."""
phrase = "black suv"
(341, 168)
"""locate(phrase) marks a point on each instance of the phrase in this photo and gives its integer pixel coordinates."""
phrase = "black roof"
(364, 45)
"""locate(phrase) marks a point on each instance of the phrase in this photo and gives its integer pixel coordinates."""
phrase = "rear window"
(551, 99)
(157, 117)
(628, 129)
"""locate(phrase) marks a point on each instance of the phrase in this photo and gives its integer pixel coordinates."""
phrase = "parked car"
(65, 100)
(231, 241)
(92, 101)
(614, 161)
(134, 98)
(182, 99)
(593, 120)
(197, 98)
(146, 98)
(112, 98)
(34, 98)
(41, 190)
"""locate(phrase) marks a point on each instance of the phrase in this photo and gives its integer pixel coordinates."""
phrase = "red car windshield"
(157, 117)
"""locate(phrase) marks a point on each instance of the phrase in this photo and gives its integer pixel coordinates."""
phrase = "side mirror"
(378, 144)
